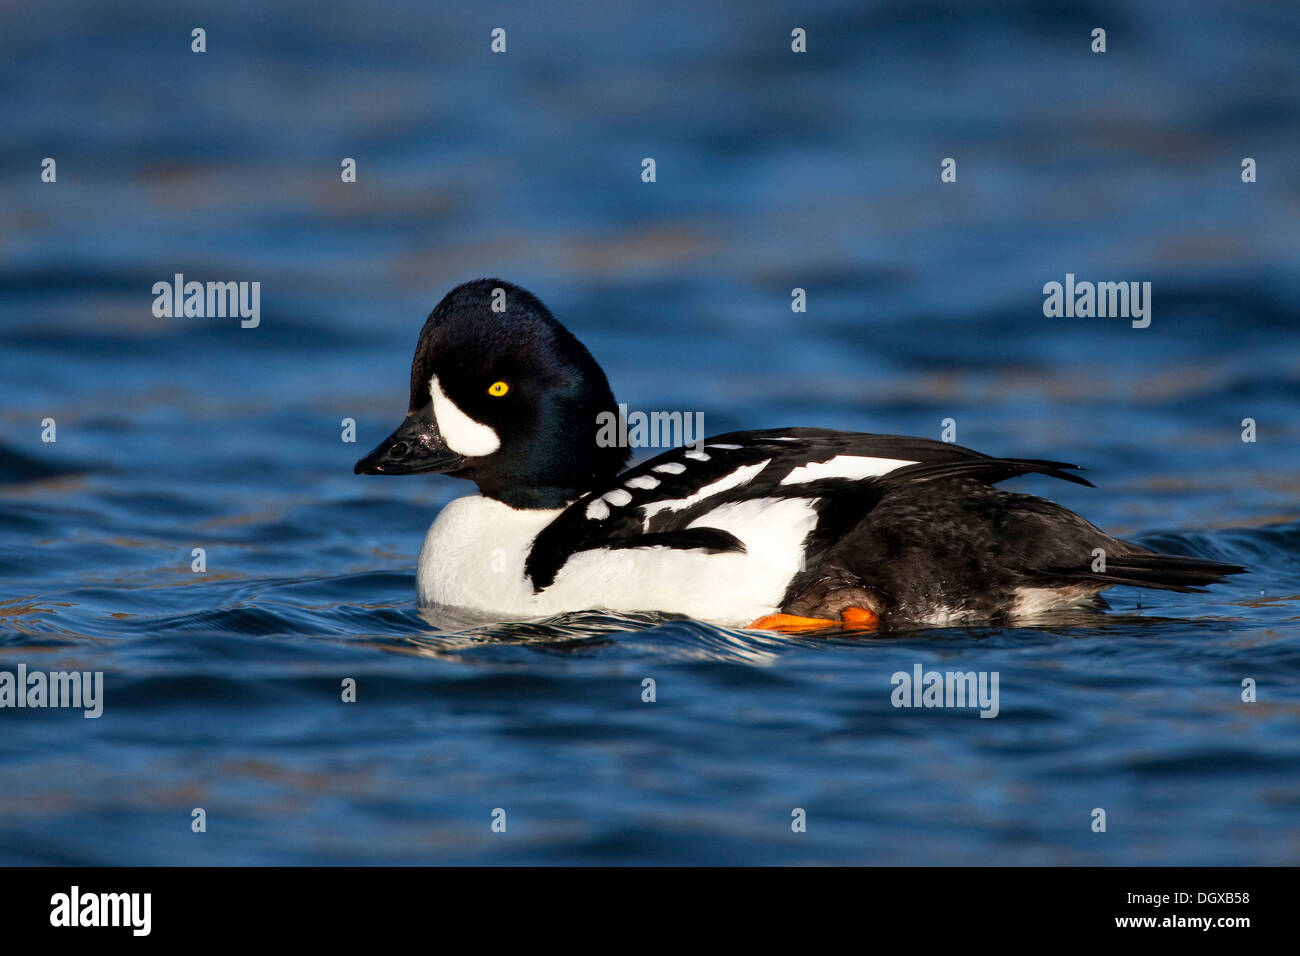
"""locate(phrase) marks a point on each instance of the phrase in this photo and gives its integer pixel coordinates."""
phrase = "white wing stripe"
(736, 478)
(844, 466)
(618, 497)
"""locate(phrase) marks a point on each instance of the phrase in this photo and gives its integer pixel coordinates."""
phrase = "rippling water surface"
(222, 689)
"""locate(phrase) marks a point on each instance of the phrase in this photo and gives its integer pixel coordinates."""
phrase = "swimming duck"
(783, 528)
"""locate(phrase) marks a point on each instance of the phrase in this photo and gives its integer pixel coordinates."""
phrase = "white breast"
(473, 558)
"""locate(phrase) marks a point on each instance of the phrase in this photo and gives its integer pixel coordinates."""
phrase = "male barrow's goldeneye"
(783, 529)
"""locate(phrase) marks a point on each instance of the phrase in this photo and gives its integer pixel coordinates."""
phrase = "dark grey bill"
(415, 448)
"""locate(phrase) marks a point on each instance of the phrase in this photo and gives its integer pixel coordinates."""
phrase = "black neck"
(539, 498)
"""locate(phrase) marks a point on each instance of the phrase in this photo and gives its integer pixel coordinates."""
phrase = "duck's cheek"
(463, 435)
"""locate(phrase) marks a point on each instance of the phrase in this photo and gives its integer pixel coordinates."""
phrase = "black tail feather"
(1167, 572)
(988, 470)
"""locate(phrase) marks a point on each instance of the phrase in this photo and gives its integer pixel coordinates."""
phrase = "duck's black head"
(503, 395)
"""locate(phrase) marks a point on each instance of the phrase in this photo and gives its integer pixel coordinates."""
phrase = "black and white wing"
(666, 501)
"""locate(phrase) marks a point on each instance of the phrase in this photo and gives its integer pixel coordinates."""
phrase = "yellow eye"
(497, 389)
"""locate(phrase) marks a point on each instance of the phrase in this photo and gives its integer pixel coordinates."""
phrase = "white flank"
(473, 559)
(462, 434)
(1034, 601)
(844, 466)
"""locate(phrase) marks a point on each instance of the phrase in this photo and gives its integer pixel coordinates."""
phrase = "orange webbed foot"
(851, 619)
(859, 619)
(791, 623)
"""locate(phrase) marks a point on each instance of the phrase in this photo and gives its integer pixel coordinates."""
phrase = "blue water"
(774, 171)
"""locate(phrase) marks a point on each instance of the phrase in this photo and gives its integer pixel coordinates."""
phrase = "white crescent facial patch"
(462, 434)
